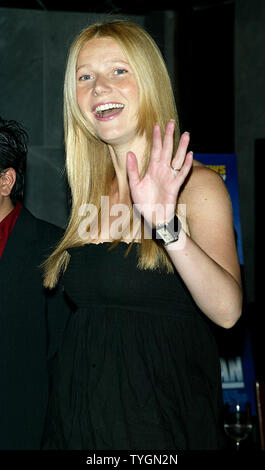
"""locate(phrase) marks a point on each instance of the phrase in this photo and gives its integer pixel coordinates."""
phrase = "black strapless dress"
(139, 366)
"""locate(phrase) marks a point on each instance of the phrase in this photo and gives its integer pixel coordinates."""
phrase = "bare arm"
(207, 259)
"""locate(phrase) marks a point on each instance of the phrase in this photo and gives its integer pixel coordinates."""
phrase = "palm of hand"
(155, 195)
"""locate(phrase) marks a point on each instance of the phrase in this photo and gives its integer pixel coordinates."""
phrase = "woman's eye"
(85, 77)
(119, 71)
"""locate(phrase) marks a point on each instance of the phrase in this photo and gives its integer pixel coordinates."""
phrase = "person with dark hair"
(13, 154)
(13, 144)
(31, 320)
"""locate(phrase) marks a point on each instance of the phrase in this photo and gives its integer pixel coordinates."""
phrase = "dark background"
(204, 58)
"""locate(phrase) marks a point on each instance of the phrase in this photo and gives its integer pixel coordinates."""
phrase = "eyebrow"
(113, 61)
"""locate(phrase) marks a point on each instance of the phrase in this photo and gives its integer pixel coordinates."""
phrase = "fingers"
(181, 153)
(157, 144)
(132, 169)
(163, 151)
(183, 172)
(168, 142)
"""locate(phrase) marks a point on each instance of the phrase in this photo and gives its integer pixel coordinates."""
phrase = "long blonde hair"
(88, 163)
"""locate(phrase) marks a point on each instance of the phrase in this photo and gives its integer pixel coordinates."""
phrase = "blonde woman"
(148, 258)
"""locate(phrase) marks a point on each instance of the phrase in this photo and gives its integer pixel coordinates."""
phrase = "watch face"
(168, 232)
(165, 235)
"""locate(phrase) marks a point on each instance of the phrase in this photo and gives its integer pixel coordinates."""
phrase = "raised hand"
(156, 194)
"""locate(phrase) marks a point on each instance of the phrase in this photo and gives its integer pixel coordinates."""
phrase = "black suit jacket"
(31, 327)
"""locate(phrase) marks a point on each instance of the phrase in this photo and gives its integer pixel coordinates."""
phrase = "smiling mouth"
(108, 110)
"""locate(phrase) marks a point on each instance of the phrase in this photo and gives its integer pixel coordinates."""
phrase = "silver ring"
(174, 169)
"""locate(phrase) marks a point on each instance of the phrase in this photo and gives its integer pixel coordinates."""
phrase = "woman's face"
(107, 91)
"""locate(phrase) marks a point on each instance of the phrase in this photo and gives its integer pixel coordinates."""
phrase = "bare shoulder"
(201, 174)
(205, 189)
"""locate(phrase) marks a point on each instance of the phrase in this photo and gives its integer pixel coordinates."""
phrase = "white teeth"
(103, 107)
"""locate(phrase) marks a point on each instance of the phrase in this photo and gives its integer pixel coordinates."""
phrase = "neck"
(6, 206)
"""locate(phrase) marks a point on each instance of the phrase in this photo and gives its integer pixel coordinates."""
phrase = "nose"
(101, 85)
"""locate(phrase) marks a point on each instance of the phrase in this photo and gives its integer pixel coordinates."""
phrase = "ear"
(7, 181)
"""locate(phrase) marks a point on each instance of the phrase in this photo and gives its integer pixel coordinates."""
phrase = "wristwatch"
(168, 232)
